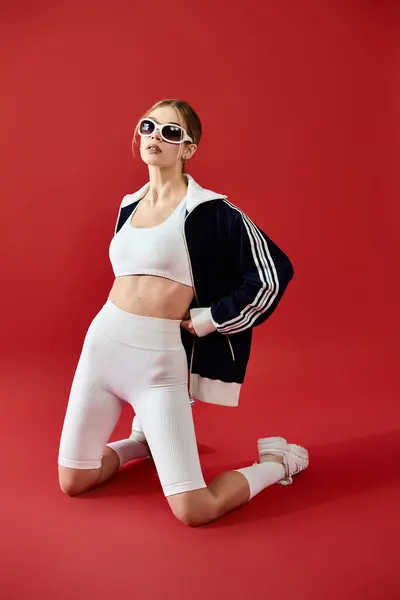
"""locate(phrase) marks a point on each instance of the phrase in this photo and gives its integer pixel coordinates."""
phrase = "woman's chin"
(154, 161)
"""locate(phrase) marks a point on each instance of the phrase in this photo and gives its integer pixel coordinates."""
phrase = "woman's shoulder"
(218, 217)
(223, 207)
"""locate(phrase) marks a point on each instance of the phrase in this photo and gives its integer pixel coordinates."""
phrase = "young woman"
(193, 276)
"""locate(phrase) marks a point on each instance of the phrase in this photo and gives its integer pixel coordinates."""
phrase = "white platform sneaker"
(137, 432)
(295, 458)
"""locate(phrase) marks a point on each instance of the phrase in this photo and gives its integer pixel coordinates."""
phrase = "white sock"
(129, 450)
(262, 475)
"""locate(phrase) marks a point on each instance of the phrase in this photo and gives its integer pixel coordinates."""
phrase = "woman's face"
(155, 151)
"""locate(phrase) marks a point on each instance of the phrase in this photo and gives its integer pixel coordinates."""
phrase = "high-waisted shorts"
(139, 360)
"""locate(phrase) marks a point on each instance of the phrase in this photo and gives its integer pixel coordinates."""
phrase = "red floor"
(332, 535)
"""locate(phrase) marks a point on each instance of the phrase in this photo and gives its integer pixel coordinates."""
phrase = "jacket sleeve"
(265, 272)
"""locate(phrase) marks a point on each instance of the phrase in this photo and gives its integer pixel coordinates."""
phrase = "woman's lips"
(153, 149)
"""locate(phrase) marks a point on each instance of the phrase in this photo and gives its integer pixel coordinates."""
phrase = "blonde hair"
(187, 118)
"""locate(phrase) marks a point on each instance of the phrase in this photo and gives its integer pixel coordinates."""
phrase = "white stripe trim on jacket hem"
(215, 391)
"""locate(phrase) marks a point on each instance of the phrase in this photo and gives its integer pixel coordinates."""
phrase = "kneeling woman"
(193, 276)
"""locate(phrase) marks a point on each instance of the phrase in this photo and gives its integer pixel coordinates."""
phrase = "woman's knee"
(194, 508)
(76, 481)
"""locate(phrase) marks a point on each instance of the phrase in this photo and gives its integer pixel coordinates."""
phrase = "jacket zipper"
(190, 264)
(197, 300)
(190, 373)
(230, 346)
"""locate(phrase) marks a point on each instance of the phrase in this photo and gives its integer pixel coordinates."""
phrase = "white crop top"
(158, 250)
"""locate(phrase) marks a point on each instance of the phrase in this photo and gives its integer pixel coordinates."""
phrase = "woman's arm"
(265, 272)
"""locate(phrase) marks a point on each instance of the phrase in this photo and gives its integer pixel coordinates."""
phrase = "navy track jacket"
(239, 276)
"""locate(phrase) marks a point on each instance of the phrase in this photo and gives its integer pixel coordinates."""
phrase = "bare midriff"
(151, 296)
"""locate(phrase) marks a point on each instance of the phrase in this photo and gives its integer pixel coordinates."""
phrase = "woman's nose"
(156, 134)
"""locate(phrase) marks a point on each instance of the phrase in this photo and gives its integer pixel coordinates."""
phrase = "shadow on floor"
(336, 470)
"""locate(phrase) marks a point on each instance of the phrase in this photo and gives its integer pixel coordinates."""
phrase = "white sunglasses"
(170, 132)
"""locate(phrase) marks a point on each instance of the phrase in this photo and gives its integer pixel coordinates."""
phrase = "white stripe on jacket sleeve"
(268, 276)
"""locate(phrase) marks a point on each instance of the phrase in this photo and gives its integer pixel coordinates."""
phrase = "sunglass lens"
(146, 127)
(172, 133)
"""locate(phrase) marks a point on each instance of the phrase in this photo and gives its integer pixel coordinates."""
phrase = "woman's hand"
(187, 323)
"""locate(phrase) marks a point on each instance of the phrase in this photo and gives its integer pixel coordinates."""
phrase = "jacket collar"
(195, 194)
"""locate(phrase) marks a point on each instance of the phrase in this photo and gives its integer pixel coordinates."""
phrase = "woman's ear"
(189, 152)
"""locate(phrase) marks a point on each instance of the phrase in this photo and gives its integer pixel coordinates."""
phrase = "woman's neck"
(166, 186)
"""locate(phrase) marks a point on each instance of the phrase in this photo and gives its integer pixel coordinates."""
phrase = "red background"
(299, 104)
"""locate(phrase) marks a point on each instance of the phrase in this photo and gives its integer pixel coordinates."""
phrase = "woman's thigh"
(92, 410)
(166, 416)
